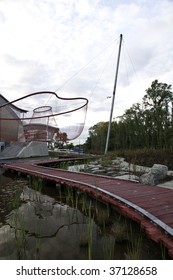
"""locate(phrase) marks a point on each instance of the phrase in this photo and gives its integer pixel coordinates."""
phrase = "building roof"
(11, 104)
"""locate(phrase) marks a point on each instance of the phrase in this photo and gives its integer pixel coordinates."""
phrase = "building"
(27, 133)
(11, 127)
(13, 142)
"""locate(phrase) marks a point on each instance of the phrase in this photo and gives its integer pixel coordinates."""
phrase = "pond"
(43, 220)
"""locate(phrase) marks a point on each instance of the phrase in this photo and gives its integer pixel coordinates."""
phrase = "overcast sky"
(71, 46)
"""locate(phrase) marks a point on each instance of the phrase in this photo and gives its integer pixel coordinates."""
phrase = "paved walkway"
(150, 206)
(168, 185)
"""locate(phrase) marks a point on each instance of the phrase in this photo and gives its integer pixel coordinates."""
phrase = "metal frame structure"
(57, 118)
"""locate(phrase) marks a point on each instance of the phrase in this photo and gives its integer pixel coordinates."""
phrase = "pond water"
(43, 220)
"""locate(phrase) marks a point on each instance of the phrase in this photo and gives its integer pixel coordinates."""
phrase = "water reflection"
(76, 167)
(45, 222)
(40, 227)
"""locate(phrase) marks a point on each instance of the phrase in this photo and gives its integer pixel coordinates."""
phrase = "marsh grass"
(20, 234)
(18, 219)
(163, 251)
(90, 232)
(148, 156)
(134, 247)
(36, 183)
(108, 246)
(120, 231)
(83, 240)
(37, 242)
(64, 165)
(103, 217)
(86, 238)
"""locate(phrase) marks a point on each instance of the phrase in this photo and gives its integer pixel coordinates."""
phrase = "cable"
(98, 80)
(132, 64)
(82, 68)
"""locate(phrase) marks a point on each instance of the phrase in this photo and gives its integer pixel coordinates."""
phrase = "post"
(113, 97)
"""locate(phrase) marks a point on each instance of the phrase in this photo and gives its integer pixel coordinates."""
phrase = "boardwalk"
(150, 206)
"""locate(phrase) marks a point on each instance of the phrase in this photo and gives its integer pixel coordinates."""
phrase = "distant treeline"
(145, 125)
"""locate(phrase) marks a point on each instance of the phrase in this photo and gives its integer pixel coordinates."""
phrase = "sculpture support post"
(113, 97)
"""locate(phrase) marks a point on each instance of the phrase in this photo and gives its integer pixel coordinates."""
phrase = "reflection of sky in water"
(59, 229)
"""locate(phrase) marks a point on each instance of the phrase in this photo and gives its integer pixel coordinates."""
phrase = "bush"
(148, 157)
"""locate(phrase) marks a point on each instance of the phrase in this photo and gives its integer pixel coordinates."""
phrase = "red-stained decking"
(150, 206)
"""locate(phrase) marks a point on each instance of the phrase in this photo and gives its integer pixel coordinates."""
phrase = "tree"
(149, 124)
(157, 101)
(133, 121)
(97, 137)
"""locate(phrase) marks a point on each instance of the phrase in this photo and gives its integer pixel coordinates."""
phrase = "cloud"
(71, 46)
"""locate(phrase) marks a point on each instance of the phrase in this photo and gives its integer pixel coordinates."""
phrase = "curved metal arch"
(68, 118)
(45, 92)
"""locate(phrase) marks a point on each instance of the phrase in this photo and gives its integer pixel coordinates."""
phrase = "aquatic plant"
(103, 217)
(19, 224)
(108, 246)
(90, 231)
(119, 231)
(135, 245)
(83, 240)
(36, 183)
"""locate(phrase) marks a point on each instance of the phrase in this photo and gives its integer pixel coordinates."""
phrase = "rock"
(149, 179)
(170, 173)
(108, 169)
(160, 170)
(118, 160)
(91, 166)
(139, 168)
(128, 177)
(96, 168)
(124, 166)
(119, 167)
(110, 173)
(157, 172)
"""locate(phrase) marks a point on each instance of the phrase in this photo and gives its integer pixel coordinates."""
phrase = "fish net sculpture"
(47, 117)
